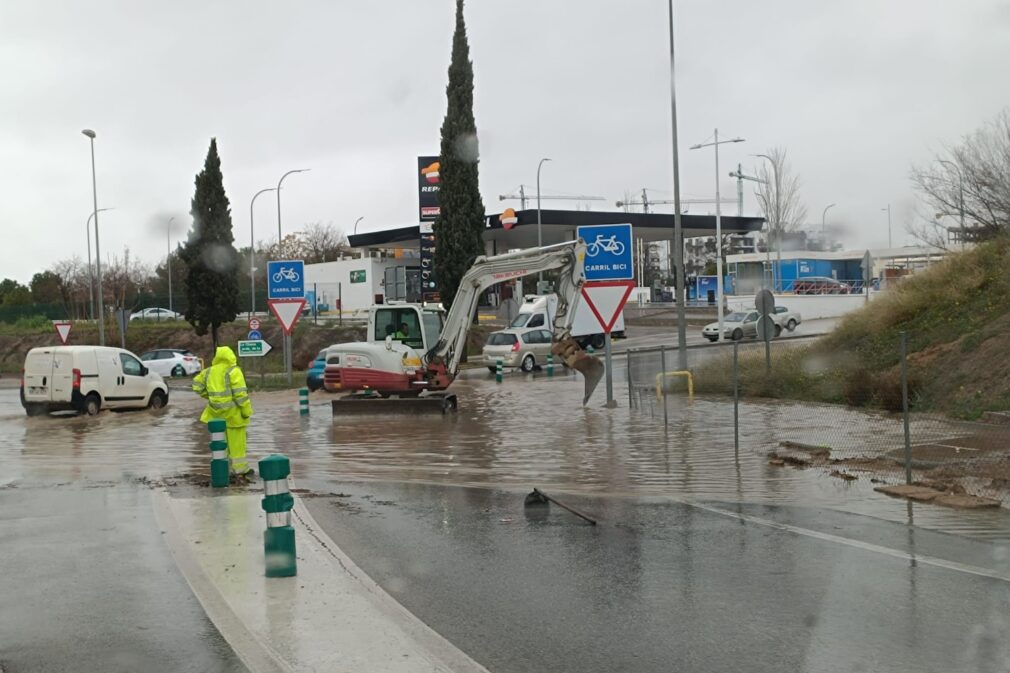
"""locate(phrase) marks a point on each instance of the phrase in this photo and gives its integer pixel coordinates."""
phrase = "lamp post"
(356, 224)
(888, 209)
(91, 275)
(718, 222)
(540, 236)
(252, 251)
(775, 212)
(678, 232)
(823, 214)
(168, 260)
(279, 182)
(98, 252)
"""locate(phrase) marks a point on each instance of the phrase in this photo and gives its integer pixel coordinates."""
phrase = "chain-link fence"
(804, 407)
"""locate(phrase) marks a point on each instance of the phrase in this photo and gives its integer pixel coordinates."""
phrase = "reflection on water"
(529, 431)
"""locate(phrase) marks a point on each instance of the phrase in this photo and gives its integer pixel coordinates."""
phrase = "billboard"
(427, 188)
(429, 285)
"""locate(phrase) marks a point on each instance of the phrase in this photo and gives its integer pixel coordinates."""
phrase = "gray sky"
(856, 92)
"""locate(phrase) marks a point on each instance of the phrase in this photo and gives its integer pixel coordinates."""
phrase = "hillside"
(957, 316)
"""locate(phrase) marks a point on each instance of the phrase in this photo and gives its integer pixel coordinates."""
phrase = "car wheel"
(778, 330)
(158, 400)
(493, 370)
(598, 341)
(92, 404)
(737, 334)
(528, 363)
(791, 325)
(178, 371)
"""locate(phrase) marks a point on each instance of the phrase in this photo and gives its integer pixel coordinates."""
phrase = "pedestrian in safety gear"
(223, 386)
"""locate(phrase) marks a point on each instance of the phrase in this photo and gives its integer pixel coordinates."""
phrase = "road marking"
(858, 544)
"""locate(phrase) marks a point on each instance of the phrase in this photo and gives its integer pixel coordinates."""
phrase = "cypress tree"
(460, 223)
(209, 256)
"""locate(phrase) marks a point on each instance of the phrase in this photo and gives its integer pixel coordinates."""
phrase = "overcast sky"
(856, 91)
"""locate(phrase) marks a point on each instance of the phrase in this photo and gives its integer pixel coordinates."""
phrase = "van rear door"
(38, 375)
(63, 377)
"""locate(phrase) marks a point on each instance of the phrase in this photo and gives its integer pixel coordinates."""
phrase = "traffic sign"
(254, 324)
(765, 302)
(286, 279)
(608, 251)
(287, 312)
(253, 349)
(63, 331)
(765, 328)
(254, 335)
(607, 299)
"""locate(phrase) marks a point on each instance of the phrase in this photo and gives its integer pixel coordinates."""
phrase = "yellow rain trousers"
(223, 386)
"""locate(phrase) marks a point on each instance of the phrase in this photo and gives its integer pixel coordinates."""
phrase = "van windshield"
(520, 320)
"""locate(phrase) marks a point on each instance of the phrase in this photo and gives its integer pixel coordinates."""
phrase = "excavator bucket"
(575, 358)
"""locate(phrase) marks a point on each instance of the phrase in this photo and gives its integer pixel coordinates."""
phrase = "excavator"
(395, 369)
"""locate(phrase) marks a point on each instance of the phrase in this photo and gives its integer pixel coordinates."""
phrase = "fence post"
(498, 371)
(550, 365)
(904, 406)
(736, 398)
(631, 389)
(219, 464)
(303, 401)
(662, 366)
(279, 537)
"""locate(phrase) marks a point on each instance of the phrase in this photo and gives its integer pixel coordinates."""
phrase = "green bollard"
(303, 401)
(590, 349)
(279, 537)
(219, 464)
(550, 365)
(498, 371)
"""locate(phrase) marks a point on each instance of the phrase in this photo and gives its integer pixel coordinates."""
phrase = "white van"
(539, 309)
(87, 379)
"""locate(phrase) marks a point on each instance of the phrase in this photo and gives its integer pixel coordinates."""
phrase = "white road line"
(858, 544)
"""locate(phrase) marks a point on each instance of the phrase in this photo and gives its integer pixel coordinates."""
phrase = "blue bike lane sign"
(286, 279)
(609, 252)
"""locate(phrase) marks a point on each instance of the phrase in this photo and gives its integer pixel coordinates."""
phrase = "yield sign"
(63, 331)
(606, 299)
(287, 312)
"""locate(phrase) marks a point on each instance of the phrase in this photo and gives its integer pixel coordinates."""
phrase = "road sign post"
(765, 303)
(286, 282)
(867, 266)
(606, 299)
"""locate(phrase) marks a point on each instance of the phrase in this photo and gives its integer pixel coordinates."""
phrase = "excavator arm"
(444, 357)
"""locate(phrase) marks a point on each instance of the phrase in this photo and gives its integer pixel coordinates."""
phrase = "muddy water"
(529, 431)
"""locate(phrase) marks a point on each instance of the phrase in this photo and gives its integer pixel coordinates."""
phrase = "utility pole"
(678, 233)
(890, 243)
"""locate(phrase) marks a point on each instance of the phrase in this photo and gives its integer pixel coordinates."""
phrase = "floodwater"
(529, 431)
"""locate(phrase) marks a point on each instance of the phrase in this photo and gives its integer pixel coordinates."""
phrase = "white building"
(355, 283)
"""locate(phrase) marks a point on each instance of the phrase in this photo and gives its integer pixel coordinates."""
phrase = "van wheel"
(598, 341)
(178, 371)
(528, 364)
(92, 404)
(158, 400)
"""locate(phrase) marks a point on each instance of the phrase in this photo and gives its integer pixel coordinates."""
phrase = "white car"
(156, 314)
(786, 318)
(88, 379)
(172, 362)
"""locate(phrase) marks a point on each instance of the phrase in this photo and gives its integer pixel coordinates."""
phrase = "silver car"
(517, 347)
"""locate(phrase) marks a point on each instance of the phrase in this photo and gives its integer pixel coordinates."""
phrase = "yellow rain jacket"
(223, 386)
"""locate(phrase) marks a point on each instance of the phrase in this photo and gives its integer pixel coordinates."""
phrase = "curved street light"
(540, 237)
(823, 214)
(98, 253)
(91, 276)
(279, 183)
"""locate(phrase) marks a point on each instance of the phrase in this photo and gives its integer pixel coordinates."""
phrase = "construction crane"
(646, 202)
(740, 177)
(522, 197)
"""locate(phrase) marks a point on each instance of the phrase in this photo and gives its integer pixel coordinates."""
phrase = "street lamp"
(252, 251)
(775, 212)
(279, 182)
(91, 275)
(98, 253)
(826, 209)
(888, 209)
(168, 259)
(680, 288)
(718, 222)
(356, 224)
(540, 236)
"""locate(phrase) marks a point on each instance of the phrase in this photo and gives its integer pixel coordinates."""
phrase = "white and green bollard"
(550, 365)
(590, 349)
(303, 401)
(219, 464)
(498, 371)
(279, 537)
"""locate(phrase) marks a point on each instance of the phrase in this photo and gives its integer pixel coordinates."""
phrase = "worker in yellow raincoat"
(223, 386)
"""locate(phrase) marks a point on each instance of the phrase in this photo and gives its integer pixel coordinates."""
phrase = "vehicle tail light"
(77, 379)
(515, 346)
(188, 358)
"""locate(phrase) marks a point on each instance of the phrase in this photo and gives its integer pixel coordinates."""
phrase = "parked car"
(172, 362)
(786, 318)
(820, 285)
(314, 378)
(736, 326)
(517, 347)
(87, 379)
(156, 314)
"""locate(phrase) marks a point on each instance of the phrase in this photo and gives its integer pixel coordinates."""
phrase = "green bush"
(33, 322)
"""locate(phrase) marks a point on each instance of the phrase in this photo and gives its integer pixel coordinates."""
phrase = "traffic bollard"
(219, 464)
(550, 365)
(303, 401)
(590, 349)
(279, 537)
(498, 371)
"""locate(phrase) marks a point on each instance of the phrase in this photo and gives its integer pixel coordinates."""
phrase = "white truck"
(538, 311)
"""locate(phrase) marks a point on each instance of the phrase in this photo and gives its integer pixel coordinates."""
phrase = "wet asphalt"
(669, 586)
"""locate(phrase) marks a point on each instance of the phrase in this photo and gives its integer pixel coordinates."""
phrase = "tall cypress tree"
(209, 256)
(460, 224)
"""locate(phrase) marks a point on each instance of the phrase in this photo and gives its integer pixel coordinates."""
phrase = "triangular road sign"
(606, 299)
(287, 312)
(63, 331)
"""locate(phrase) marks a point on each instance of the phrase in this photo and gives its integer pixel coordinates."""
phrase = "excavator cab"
(414, 326)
